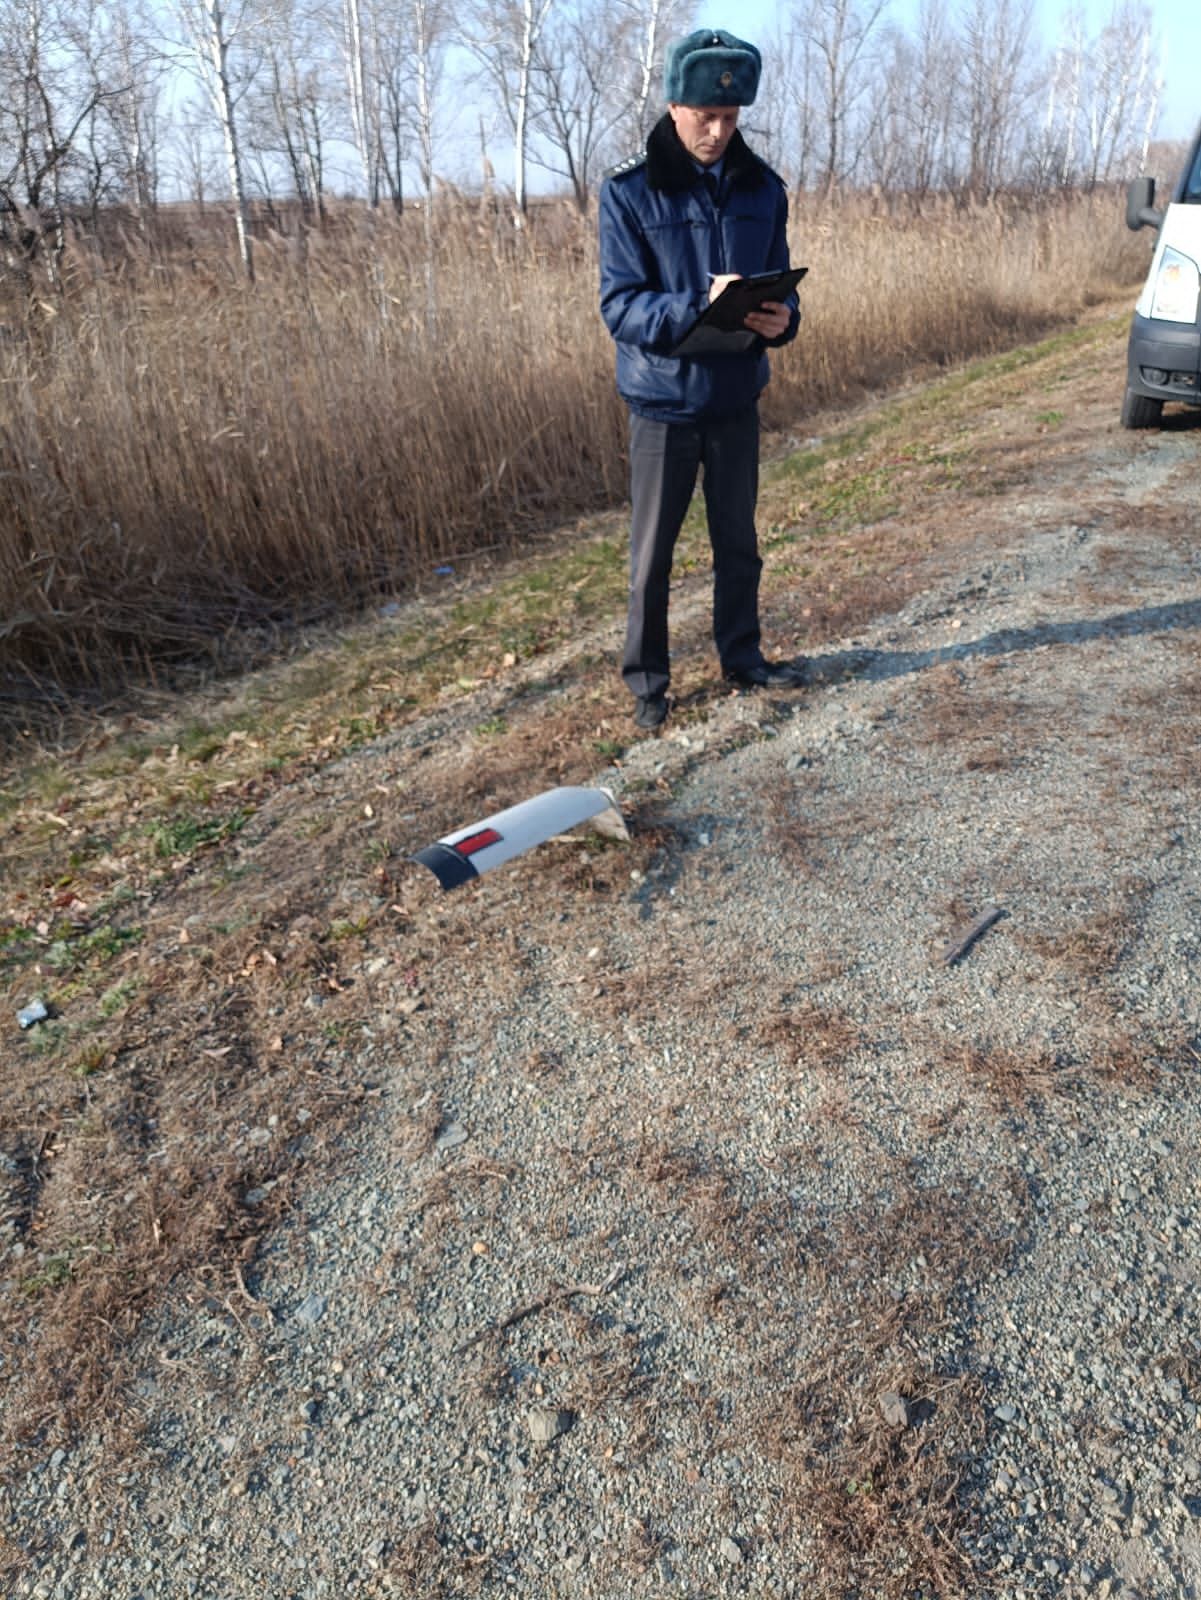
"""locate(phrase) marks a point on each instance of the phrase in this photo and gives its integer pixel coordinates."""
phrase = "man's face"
(705, 131)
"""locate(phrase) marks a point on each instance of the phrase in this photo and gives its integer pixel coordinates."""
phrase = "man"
(677, 224)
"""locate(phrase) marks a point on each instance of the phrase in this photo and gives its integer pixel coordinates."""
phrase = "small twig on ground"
(255, 1305)
(540, 1303)
(963, 941)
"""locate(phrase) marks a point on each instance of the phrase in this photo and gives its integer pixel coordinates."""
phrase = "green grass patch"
(15, 940)
(57, 1269)
(931, 401)
(49, 1037)
(96, 946)
(185, 835)
(90, 1060)
(118, 997)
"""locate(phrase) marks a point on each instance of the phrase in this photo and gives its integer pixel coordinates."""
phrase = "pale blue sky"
(1176, 24)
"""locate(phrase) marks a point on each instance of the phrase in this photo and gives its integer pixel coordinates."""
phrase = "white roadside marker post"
(468, 853)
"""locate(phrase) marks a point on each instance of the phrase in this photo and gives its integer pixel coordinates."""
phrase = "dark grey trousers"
(664, 459)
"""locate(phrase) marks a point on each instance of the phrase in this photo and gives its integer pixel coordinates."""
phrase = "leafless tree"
(842, 35)
(577, 92)
(216, 34)
(430, 23)
(888, 160)
(48, 96)
(363, 79)
(785, 113)
(995, 88)
(1054, 156)
(1117, 89)
(195, 168)
(928, 99)
(1154, 95)
(291, 103)
(505, 39)
(644, 29)
(121, 136)
(1100, 97)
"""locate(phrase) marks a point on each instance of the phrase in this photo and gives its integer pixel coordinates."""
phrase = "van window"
(1192, 187)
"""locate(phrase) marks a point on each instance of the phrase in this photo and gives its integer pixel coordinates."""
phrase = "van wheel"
(1140, 412)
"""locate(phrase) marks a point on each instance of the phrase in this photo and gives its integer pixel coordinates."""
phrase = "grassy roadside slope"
(201, 466)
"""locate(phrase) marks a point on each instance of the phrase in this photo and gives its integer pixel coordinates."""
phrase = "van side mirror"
(1140, 205)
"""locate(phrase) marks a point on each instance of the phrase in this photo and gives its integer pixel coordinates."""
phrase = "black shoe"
(770, 675)
(650, 711)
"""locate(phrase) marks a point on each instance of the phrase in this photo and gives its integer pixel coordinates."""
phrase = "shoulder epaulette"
(630, 164)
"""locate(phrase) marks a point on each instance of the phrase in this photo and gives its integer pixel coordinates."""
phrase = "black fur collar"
(670, 167)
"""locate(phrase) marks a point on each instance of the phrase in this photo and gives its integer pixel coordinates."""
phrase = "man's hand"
(770, 321)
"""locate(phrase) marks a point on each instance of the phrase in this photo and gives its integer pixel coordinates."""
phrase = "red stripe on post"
(476, 841)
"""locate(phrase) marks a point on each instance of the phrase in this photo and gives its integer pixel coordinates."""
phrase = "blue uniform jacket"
(661, 237)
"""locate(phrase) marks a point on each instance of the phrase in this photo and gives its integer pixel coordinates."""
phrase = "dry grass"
(1012, 1075)
(1106, 1048)
(886, 1499)
(981, 719)
(807, 824)
(1089, 949)
(808, 1034)
(430, 1561)
(199, 458)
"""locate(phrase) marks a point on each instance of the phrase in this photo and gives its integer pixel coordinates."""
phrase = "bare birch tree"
(504, 39)
(995, 86)
(786, 110)
(125, 130)
(1117, 88)
(887, 161)
(929, 98)
(650, 26)
(389, 89)
(195, 166)
(216, 35)
(430, 26)
(363, 86)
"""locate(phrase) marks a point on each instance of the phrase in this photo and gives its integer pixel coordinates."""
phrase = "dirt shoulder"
(829, 1267)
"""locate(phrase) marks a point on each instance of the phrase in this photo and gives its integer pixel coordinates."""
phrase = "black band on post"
(447, 865)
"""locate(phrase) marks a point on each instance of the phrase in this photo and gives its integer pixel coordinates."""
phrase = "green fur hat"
(711, 68)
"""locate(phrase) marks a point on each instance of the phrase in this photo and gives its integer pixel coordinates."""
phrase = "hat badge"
(726, 79)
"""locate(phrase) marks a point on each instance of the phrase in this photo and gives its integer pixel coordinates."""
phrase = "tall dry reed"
(182, 455)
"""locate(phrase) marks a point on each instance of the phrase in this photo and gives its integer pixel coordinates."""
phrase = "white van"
(1164, 357)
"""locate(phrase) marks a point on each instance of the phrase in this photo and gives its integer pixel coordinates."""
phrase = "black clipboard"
(719, 328)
